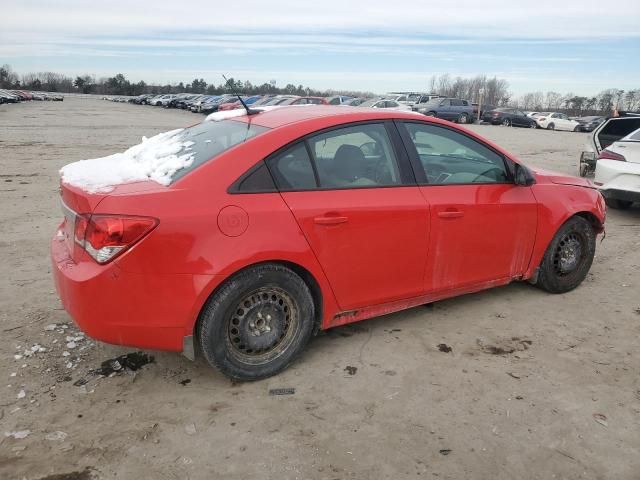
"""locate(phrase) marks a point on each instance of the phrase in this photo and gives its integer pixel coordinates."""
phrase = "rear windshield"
(210, 139)
(634, 137)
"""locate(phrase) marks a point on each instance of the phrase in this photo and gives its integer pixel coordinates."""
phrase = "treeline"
(119, 85)
(604, 103)
(494, 91)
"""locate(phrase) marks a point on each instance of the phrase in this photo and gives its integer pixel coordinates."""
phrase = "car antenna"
(233, 90)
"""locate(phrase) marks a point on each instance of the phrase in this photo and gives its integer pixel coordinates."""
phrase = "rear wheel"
(257, 323)
(568, 257)
(576, 128)
(506, 122)
(617, 204)
(430, 114)
(533, 125)
(551, 126)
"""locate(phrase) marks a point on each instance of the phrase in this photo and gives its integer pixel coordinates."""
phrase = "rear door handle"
(451, 214)
(330, 220)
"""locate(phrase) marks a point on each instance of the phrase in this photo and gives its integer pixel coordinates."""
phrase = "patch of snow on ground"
(156, 158)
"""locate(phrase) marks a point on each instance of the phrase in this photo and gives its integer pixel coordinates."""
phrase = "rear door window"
(355, 156)
(292, 169)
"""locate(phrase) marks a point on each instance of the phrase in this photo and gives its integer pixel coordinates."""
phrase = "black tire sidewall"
(214, 317)
(548, 279)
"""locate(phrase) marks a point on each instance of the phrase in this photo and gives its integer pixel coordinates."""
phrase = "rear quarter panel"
(189, 240)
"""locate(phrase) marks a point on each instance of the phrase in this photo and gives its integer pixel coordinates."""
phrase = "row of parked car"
(16, 96)
(548, 120)
(452, 109)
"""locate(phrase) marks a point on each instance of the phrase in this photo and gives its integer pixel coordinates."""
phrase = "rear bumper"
(619, 180)
(154, 311)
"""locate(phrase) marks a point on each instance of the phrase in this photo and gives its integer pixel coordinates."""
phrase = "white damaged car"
(613, 154)
(618, 171)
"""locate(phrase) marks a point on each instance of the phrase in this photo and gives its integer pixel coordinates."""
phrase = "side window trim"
(414, 158)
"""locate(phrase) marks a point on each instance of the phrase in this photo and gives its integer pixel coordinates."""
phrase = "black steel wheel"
(262, 325)
(568, 257)
(257, 323)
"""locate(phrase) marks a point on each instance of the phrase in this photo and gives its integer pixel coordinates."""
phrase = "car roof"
(279, 117)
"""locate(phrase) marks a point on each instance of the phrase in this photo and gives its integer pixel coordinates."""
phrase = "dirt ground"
(535, 386)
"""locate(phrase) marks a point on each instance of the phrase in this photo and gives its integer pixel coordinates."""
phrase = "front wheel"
(430, 114)
(506, 122)
(463, 118)
(576, 128)
(257, 323)
(568, 257)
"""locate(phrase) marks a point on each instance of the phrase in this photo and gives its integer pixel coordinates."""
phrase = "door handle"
(451, 214)
(330, 220)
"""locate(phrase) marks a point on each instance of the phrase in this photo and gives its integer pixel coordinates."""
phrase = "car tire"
(463, 118)
(617, 204)
(506, 122)
(568, 257)
(257, 323)
(551, 126)
(431, 114)
(533, 125)
(576, 129)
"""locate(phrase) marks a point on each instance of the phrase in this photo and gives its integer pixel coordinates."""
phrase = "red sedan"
(288, 221)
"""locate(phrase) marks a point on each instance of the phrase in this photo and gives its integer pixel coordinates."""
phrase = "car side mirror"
(523, 176)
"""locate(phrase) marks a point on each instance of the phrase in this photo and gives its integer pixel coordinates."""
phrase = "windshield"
(210, 139)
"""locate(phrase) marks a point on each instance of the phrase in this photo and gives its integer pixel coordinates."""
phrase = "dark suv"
(453, 109)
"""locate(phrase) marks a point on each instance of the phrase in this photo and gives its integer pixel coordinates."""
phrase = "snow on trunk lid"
(156, 158)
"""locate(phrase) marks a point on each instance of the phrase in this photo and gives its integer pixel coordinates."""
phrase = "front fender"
(556, 205)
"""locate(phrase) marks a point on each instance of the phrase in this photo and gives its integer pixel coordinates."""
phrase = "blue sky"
(567, 46)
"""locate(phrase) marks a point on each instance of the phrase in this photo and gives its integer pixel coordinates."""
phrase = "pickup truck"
(454, 109)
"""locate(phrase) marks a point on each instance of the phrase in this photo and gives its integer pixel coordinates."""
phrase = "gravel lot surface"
(536, 386)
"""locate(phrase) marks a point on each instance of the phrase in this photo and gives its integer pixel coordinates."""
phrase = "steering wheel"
(484, 174)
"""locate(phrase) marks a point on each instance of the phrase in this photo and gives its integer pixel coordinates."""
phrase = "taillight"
(104, 237)
(609, 155)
